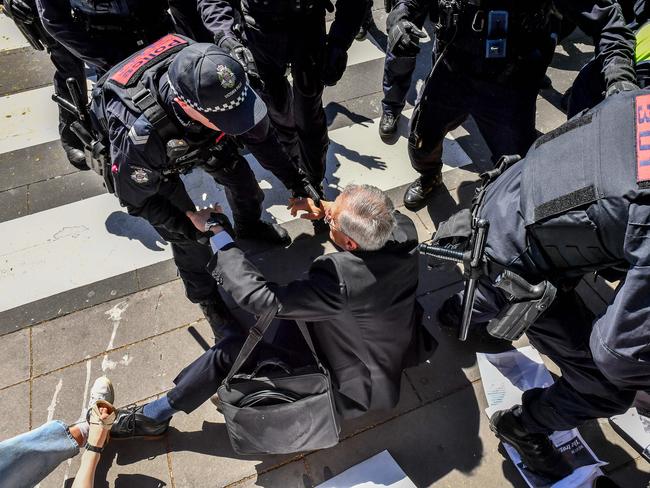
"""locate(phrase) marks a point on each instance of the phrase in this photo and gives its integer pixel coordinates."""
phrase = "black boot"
(222, 322)
(73, 149)
(536, 450)
(420, 190)
(263, 231)
(387, 126)
(130, 422)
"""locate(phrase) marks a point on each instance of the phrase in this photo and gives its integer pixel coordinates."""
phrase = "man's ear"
(350, 244)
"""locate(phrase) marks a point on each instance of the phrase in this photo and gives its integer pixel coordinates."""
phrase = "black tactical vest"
(127, 81)
(496, 39)
(134, 82)
(578, 181)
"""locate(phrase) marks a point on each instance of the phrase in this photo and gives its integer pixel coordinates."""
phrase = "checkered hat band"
(222, 108)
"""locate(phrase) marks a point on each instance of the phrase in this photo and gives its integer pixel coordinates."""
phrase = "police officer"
(399, 65)
(269, 37)
(25, 15)
(176, 95)
(578, 203)
(490, 60)
(105, 33)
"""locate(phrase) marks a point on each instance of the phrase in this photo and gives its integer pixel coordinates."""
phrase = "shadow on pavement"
(135, 228)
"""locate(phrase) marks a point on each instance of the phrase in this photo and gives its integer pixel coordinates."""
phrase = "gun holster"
(526, 302)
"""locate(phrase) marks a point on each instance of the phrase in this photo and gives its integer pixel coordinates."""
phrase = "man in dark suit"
(359, 304)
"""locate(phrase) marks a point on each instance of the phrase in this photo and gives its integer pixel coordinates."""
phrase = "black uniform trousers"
(245, 199)
(398, 71)
(200, 380)
(582, 392)
(295, 110)
(504, 113)
(66, 66)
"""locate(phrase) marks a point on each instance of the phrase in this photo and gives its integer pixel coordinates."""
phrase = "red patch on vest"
(642, 138)
(161, 46)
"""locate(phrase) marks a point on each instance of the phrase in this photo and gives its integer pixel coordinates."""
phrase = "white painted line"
(10, 36)
(27, 119)
(91, 240)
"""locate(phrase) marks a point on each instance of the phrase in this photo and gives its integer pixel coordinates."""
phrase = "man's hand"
(200, 218)
(314, 212)
(404, 38)
(21, 10)
(336, 59)
(242, 54)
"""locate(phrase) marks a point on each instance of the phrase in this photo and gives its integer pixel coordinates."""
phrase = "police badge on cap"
(212, 82)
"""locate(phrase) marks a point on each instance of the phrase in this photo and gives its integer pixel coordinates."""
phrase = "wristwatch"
(217, 219)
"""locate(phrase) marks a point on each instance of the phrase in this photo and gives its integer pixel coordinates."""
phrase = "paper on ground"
(505, 377)
(381, 470)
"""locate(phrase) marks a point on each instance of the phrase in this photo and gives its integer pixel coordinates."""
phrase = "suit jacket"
(360, 308)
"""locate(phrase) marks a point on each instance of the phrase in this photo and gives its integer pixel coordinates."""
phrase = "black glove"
(336, 59)
(404, 38)
(21, 10)
(242, 54)
(620, 86)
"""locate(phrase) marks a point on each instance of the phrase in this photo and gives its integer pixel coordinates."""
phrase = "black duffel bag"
(279, 412)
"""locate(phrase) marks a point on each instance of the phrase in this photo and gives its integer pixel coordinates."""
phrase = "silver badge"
(140, 175)
(226, 76)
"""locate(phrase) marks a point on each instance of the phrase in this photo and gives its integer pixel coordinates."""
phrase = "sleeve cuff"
(220, 240)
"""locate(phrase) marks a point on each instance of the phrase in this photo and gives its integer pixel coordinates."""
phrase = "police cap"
(215, 84)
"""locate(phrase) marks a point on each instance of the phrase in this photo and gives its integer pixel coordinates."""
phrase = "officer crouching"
(173, 106)
(578, 203)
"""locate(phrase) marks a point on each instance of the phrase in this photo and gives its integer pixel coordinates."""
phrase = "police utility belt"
(278, 10)
(462, 239)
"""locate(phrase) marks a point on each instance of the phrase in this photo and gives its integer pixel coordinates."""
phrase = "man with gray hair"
(359, 305)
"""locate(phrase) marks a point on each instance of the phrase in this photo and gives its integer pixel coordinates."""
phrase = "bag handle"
(254, 337)
(256, 334)
(305, 333)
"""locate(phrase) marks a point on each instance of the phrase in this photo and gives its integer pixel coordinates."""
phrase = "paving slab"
(14, 405)
(445, 443)
(123, 464)
(32, 164)
(111, 325)
(138, 371)
(15, 354)
(64, 303)
(608, 445)
(292, 475)
(24, 69)
(64, 189)
(201, 439)
(14, 203)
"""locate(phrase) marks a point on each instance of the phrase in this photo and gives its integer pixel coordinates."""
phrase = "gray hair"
(367, 216)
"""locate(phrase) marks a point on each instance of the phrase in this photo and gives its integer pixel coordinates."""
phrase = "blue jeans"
(28, 458)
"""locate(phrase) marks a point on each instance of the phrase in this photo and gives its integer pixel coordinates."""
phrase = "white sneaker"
(102, 390)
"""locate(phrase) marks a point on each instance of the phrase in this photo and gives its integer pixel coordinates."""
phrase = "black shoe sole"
(139, 437)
